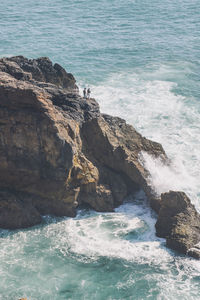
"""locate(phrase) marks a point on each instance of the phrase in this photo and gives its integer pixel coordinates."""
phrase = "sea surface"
(141, 59)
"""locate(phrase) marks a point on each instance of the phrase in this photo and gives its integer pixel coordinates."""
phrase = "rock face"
(57, 151)
(194, 251)
(41, 70)
(179, 222)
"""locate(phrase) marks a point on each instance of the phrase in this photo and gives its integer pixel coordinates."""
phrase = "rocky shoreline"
(57, 151)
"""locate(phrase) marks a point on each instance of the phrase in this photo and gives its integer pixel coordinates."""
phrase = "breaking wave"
(157, 111)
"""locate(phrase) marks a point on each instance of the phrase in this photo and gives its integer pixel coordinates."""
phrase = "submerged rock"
(58, 151)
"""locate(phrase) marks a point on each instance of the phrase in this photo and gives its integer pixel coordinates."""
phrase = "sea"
(141, 60)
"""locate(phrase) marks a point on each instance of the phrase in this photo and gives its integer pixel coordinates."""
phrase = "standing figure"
(88, 93)
(84, 93)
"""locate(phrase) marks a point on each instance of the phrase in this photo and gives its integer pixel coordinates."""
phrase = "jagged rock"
(58, 150)
(117, 146)
(178, 222)
(41, 70)
(101, 199)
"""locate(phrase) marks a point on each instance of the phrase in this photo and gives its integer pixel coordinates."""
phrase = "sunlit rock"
(57, 151)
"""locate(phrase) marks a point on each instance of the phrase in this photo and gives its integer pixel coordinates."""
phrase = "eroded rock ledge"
(58, 151)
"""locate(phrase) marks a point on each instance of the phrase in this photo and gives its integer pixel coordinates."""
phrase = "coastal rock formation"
(57, 151)
(41, 70)
(179, 222)
(16, 210)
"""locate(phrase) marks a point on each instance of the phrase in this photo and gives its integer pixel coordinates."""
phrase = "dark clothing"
(88, 93)
(84, 93)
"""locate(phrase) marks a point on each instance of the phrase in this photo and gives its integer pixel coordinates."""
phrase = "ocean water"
(141, 60)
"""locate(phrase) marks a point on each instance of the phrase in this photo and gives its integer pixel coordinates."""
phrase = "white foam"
(105, 235)
(175, 177)
(152, 106)
(128, 233)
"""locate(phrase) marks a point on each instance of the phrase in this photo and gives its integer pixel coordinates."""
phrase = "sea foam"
(157, 111)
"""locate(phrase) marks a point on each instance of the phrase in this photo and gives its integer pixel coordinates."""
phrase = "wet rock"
(101, 199)
(178, 222)
(194, 251)
(17, 211)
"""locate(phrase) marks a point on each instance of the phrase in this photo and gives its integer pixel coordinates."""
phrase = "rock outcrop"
(40, 70)
(179, 222)
(58, 151)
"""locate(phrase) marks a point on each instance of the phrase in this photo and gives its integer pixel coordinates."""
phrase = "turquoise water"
(142, 62)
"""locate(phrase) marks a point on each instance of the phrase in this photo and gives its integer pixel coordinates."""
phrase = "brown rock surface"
(57, 150)
(178, 222)
(117, 147)
(16, 210)
(40, 70)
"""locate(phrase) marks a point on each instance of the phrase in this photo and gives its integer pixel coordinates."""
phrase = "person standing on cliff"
(88, 93)
(84, 93)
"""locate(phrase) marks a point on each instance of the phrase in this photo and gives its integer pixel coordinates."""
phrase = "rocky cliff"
(58, 151)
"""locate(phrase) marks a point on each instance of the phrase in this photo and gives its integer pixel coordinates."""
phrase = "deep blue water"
(142, 61)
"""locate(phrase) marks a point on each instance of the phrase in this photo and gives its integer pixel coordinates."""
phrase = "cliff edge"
(58, 151)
